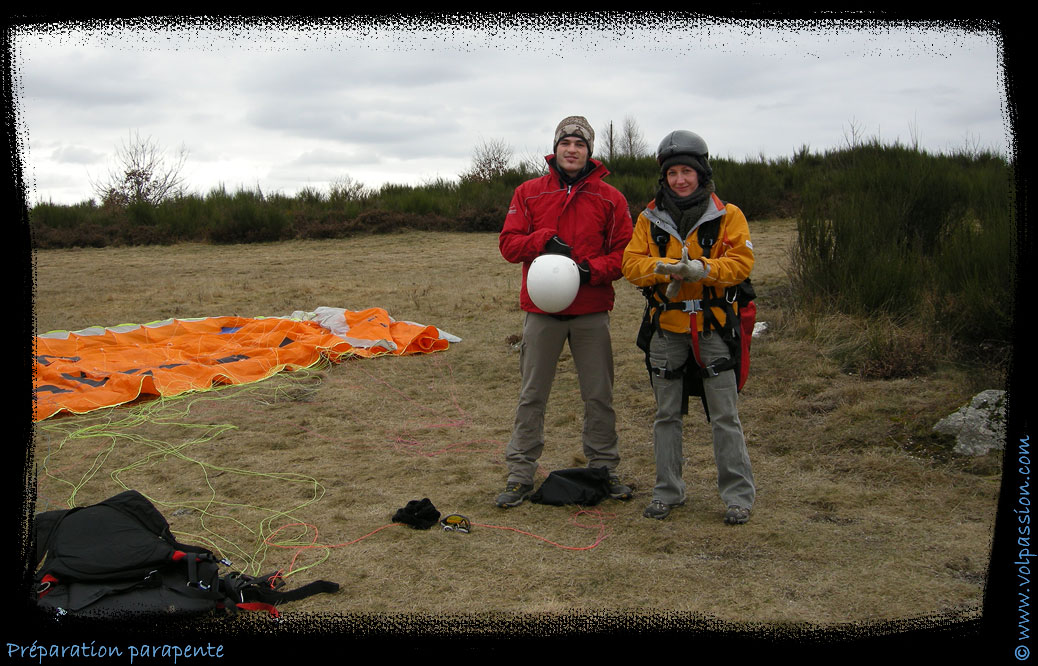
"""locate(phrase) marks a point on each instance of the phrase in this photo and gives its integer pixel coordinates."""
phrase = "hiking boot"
(619, 490)
(514, 494)
(659, 509)
(736, 515)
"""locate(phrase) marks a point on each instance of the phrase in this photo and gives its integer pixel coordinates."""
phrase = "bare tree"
(346, 188)
(631, 142)
(534, 163)
(142, 172)
(609, 142)
(854, 132)
(490, 159)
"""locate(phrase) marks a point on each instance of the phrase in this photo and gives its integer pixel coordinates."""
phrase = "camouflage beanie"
(577, 126)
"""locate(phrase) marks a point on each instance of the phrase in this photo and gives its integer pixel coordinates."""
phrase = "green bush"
(893, 231)
(245, 218)
(758, 188)
(54, 216)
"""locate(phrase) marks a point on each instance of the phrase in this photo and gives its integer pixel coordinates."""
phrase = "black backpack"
(585, 486)
(119, 556)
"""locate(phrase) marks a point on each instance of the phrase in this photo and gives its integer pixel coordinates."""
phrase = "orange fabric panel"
(376, 324)
(88, 371)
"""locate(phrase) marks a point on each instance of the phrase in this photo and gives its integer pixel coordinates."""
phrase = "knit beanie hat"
(697, 162)
(577, 126)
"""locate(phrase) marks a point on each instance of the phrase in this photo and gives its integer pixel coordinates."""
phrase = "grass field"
(861, 516)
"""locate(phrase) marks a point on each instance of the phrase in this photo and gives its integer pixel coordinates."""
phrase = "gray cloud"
(301, 105)
(76, 155)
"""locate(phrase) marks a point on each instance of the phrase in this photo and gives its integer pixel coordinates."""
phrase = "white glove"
(684, 270)
(673, 289)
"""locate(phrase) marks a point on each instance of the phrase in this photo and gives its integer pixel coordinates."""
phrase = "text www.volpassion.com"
(1024, 555)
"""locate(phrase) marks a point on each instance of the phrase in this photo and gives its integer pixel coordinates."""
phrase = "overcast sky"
(281, 107)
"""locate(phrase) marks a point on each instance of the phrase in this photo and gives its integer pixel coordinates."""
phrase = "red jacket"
(591, 217)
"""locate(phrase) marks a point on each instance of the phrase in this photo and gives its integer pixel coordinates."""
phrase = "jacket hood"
(663, 220)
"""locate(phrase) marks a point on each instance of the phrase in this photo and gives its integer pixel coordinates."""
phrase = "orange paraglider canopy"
(100, 367)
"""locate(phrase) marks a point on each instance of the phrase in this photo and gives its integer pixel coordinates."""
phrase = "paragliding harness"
(736, 332)
(119, 556)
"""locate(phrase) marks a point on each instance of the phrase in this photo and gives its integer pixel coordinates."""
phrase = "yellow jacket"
(730, 260)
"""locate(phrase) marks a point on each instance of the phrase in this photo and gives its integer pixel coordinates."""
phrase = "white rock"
(979, 426)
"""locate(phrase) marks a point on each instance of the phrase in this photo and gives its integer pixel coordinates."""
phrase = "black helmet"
(681, 142)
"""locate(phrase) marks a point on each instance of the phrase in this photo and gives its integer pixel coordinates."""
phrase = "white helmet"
(552, 282)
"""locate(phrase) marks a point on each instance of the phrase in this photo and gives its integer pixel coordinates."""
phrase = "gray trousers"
(592, 350)
(734, 474)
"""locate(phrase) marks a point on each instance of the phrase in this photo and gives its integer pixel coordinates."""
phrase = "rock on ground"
(979, 426)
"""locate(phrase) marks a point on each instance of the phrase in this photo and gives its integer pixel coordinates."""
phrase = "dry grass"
(860, 515)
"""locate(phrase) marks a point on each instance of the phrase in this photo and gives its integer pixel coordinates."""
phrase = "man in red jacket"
(569, 211)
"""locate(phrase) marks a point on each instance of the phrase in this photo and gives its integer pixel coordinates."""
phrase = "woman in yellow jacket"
(692, 327)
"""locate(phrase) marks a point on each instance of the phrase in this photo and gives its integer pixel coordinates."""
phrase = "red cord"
(599, 524)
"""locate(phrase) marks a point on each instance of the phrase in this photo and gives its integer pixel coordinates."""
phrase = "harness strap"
(695, 340)
(657, 303)
(663, 373)
(691, 306)
(44, 586)
(259, 606)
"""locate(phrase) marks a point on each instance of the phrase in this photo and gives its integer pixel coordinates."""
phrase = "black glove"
(420, 515)
(585, 272)
(556, 246)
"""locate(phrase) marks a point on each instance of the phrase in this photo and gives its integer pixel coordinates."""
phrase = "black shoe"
(659, 510)
(514, 494)
(736, 515)
(619, 490)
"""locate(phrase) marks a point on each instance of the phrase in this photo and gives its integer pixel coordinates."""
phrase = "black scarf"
(685, 211)
(572, 180)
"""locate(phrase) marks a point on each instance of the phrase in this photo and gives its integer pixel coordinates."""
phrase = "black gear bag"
(585, 486)
(119, 556)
